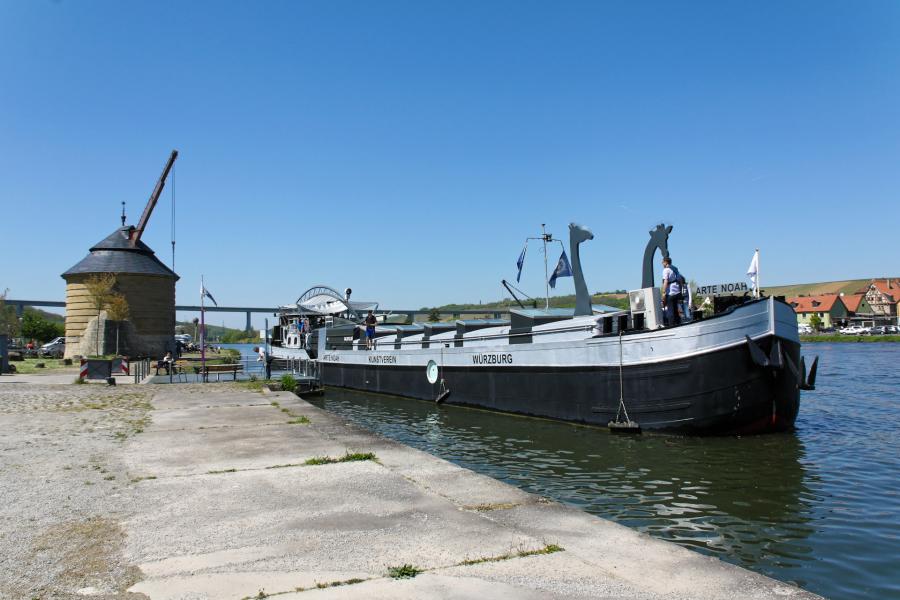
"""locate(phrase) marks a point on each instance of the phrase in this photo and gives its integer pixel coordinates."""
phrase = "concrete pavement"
(230, 510)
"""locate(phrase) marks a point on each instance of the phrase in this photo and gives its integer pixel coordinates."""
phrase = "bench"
(178, 367)
(234, 369)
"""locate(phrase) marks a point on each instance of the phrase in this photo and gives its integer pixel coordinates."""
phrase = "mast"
(151, 203)
(202, 330)
(546, 238)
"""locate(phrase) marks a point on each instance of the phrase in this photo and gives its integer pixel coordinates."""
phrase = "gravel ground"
(62, 491)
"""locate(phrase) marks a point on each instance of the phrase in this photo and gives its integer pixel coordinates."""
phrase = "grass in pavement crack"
(548, 549)
(348, 457)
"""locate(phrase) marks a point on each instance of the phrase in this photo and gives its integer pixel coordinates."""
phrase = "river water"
(819, 507)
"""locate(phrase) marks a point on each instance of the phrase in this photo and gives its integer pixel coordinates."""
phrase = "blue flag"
(205, 292)
(563, 269)
(521, 262)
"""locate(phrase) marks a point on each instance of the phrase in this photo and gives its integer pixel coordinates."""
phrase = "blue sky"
(406, 149)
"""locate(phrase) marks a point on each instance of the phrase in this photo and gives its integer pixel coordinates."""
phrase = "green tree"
(815, 322)
(9, 324)
(36, 327)
(117, 310)
(100, 290)
(434, 316)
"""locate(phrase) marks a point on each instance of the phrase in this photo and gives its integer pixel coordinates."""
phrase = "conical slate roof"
(118, 253)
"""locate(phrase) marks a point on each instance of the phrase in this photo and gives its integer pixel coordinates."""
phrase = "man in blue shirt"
(672, 291)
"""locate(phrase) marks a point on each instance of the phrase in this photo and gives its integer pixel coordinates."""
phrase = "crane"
(151, 203)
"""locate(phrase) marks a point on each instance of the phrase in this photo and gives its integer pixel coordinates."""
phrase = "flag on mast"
(205, 293)
(753, 272)
(563, 269)
(521, 262)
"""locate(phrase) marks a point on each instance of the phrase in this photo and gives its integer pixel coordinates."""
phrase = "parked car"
(55, 348)
(854, 330)
(891, 329)
(804, 329)
(877, 330)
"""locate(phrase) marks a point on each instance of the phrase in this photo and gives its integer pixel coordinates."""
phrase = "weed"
(301, 420)
(109, 477)
(139, 479)
(232, 470)
(273, 403)
(288, 383)
(348, 457)
(403, 572)
(491, 506)
(548, 549)
(79, 380)
(317, 586)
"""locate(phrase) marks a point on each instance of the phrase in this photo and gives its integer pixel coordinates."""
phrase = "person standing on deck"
(370, 330)
(671, 292)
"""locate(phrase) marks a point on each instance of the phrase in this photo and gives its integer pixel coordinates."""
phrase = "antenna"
(123, 213)
(545, 238)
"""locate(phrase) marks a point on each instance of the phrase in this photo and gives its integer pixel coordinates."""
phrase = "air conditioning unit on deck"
(645, 305)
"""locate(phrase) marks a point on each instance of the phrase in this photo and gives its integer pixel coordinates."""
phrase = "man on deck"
(370, 330)
(671, 292)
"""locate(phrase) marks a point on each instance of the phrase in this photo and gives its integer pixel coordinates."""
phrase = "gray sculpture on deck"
(659, 238)
(578, 234)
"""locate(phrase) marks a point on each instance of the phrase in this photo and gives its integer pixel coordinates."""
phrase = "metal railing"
(140, 368)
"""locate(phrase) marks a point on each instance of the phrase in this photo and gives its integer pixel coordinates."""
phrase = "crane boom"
(151, 203)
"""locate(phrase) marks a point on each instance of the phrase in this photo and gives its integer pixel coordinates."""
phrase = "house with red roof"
(830, 309)
(883, 295)
(857, 305)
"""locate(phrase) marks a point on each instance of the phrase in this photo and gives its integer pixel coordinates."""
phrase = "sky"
(406, 149)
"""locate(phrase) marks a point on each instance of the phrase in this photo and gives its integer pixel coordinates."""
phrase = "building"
(830, 309)
(883, 295)
(148, 287)
(860, 313)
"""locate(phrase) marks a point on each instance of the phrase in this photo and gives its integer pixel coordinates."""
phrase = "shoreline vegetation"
(838, 337)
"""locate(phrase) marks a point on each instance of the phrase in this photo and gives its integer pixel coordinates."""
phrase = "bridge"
(249, 310)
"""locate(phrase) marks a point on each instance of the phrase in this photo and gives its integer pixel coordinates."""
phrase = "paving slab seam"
(207, 427)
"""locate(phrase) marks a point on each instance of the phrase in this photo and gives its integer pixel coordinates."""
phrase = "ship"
(736, 371)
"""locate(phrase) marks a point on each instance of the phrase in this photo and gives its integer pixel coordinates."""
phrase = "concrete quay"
(221, 504)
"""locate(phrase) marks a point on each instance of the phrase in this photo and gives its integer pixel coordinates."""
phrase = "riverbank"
(838, 337)
(215, 491)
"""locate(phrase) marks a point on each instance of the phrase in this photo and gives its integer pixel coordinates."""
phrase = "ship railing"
(494, 336)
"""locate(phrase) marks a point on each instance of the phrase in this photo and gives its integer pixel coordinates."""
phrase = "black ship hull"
(721, 392)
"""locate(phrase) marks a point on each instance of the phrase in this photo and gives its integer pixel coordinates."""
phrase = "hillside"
(619, 299)
(850, 286)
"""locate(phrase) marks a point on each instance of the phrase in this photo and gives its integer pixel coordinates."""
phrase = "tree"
(36, 327)
(100, 289)
(434, 316)
(9, 324)
(815, 322)
(117, 309)
(196, 323)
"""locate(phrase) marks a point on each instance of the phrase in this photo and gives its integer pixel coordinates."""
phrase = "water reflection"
(746, 500)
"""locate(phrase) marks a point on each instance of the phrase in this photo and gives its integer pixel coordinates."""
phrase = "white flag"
(753, 271)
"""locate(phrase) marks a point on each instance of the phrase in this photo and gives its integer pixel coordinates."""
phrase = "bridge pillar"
(248, 322)
(20, 310)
